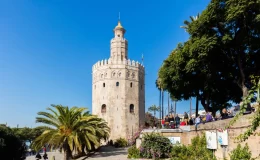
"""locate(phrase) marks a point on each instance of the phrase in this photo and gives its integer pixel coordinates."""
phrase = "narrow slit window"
(104, 84)
(117, 84)
(131, 84)
(132, 108)
(103, 108)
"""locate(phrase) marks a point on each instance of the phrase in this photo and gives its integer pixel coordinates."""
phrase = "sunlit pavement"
(105, 153)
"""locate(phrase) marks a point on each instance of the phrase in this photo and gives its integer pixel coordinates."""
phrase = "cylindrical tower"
(118, 89)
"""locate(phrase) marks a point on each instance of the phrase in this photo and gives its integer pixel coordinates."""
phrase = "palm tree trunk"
(67, 151)
(160, 98)
(190, 108)
(162, 104)
(197, 106)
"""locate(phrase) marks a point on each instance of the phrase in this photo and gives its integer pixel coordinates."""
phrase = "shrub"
(241, 153)
(120, 142)
(11, 147)
(155, 146)
(180, 152)
(196, 151)
(133, 152)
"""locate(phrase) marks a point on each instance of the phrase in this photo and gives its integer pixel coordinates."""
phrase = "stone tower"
(118, 89)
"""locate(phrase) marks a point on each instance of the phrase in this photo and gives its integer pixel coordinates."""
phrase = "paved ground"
(105, 153)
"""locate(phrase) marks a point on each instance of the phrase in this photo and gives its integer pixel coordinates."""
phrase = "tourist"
(177, 121)
(44, 149)
(30, 151)
(183, 123)
(197, 121)
(191, 121)
(171, 119)
(208, 117)
(224, 114)
(163, 123)
(186, 115)
(167, 121)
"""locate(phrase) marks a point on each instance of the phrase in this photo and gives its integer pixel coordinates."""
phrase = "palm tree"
(187, 23)
(70, 128)
(160, 87)
(153, 109)
(102, 133)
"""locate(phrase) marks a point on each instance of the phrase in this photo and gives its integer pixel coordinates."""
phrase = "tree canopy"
(216, 62)
(11, 147)
(71, 129)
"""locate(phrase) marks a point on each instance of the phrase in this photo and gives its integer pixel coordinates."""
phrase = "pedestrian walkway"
(105, 153)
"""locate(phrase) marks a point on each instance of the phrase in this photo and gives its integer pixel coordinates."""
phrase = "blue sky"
(47, 48)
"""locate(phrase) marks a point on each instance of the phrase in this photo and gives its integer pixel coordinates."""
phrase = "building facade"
(118, 89)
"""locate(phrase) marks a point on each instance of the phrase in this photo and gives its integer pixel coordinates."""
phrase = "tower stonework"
(118, 89)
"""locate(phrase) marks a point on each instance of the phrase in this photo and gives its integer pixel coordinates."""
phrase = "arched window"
(132, 108)
(131, 84)
(103, 108)
(104, 85)
(117, 84)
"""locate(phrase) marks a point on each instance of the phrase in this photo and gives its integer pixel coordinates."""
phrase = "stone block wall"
(239, 127)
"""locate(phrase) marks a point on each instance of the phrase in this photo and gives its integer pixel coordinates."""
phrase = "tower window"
(132, 108)
(104, 85)
(131, 84)
(118, 35)
(141, 87)
(103, 108)
(117, 84)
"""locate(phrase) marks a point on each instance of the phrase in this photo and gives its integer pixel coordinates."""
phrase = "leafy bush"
(196, 151)
(11, 147)
(241, 153)
(155, 146)
(180, 152)
(120, 142)
(133, 152)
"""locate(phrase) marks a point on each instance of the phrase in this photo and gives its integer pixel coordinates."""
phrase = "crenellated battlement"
(128, 62)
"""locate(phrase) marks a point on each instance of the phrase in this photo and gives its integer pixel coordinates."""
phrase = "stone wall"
(239, 127)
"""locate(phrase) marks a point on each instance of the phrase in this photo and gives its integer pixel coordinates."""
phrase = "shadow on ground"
(110, 151)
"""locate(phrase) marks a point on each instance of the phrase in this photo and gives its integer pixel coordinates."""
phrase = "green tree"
(11, 146)
(187, 23)
(69, 128)
(150, 120)
(153, 109)
(255, 117)
(216, 63)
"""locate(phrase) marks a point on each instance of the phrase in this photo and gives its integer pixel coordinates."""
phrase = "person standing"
(30, 151)
(177, 121)
(44, 150)
(208, 117)
(197, 122)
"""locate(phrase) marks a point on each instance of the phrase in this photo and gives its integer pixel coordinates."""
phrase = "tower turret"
(119, 45)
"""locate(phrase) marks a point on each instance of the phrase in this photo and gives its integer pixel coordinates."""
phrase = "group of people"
(171, 121)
